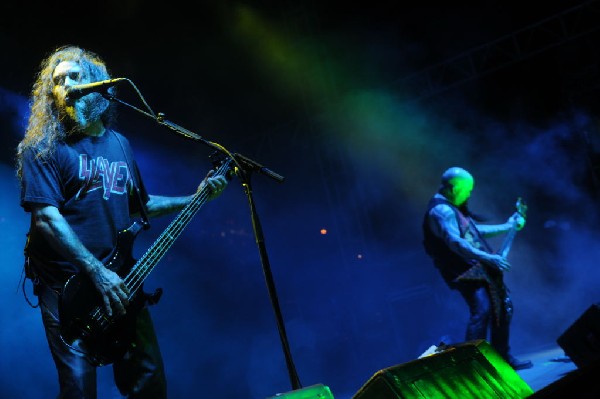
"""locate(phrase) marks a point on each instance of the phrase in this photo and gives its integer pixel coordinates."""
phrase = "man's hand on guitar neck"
(496, 261)
(214, 184)
(517, 220)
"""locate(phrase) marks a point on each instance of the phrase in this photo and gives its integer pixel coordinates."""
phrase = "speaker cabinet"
(581, 341)
(468, 370)
(317, 391)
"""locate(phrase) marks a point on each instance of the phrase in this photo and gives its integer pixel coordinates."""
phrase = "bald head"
(457, 185)
(454, 173)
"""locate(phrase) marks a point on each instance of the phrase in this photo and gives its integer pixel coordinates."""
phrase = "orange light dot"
(323, 231)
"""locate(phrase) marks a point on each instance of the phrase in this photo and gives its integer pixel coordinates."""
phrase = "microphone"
(77, 91)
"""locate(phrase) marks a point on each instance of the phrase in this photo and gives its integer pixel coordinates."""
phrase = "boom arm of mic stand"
(249, 164)
(160, 118)
(244, 163)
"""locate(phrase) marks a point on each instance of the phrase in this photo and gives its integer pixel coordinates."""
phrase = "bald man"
(456, 243)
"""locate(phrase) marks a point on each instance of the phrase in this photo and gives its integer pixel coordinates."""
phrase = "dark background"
(361, 108)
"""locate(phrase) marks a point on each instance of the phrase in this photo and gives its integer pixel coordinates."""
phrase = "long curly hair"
(46, 125)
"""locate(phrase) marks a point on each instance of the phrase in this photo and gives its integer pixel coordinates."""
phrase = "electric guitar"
(521, 209)
(494, 277)
(85, 326)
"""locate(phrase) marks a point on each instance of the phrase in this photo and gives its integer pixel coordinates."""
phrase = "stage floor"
(548, 366)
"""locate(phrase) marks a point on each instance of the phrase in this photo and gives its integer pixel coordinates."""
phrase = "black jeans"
(140, 374)
(482, 318)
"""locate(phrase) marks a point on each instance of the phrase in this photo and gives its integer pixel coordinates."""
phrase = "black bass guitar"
(84, 324)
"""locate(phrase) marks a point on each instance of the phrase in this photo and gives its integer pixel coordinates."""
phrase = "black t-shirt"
(90, 180)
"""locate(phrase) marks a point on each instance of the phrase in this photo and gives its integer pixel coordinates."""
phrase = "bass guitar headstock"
(222, 165)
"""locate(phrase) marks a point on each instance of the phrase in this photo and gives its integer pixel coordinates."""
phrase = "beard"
(84, 111)
(90, 109)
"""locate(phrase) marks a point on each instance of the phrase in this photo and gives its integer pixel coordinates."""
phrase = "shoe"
(517, 364)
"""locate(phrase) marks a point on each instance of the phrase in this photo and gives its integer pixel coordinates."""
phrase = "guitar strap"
(154, 297)
(136, 186)
(480, 238)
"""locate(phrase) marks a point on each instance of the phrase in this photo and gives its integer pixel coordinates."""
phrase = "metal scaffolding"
(551, 32)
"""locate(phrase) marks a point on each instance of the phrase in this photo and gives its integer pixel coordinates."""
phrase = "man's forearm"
(159, 205)
(63, 239)
(492, 230)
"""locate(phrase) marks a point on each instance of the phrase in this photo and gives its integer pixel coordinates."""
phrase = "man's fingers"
(216, 184)
(107, 307)
(123, 297)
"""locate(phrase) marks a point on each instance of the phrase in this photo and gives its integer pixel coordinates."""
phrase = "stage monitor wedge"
(317, 391)
(468, 370)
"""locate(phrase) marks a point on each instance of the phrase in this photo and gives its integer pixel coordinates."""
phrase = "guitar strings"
(137, 275)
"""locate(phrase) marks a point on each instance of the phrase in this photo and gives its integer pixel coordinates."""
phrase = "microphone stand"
(245, 167)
